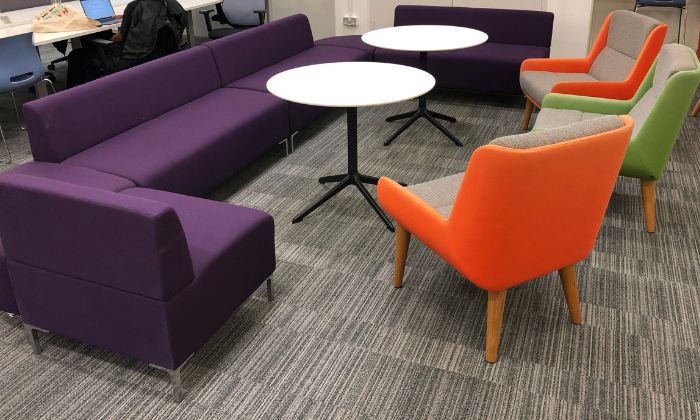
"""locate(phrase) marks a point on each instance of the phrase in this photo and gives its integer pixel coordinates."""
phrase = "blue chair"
(239, 14)
(20, 68)
(679, 4)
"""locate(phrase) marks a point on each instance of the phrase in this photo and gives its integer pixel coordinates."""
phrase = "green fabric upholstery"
(654, 137)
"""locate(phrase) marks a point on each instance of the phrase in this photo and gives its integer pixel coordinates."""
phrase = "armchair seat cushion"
(440, 193)
(348, 41)
(233, 252)
(196, 146)
(74, 175)
(490, 67)
(537, 84)
(552, 118)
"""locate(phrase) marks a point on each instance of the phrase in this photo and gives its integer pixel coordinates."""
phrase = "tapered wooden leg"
(494, 321)
(649, 204)
(529, 107)
(402, 239)
(568, 283)
(696, 110)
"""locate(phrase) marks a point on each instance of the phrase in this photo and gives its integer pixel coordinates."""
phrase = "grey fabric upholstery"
(672, 59)
(626, 37)
(553, 118)
(537, 84)
(440, 193)
(560, 134)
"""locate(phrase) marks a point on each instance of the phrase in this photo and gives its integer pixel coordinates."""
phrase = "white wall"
(572, 24)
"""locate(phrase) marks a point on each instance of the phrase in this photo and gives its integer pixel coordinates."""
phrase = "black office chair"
(238, 14)
(679, 4)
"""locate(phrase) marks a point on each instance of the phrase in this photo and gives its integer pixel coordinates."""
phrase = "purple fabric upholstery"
(120, 242)
(247, 52)
(73, 174)
(195, 147)
(7, 295)
(71, 121)
(488, 67)
(348, 41)
(92, 276)
(314, 55)
(503, 26)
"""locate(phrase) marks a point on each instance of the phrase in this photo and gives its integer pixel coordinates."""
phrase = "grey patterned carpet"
(340, 342)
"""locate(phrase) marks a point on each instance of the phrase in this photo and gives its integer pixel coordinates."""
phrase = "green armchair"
(658, 108)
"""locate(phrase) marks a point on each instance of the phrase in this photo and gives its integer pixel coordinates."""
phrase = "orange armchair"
(620, 58)
(527, 205)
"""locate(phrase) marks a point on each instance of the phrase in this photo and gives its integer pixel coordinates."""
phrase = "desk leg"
(423, 112)
(41, 89)
(189, 22)
(352, 177)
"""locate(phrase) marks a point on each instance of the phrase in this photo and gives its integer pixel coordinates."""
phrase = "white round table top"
(351, 84)
(425, 38)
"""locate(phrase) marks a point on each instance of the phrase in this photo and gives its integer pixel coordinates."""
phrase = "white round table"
(424, 39)
(350, 85)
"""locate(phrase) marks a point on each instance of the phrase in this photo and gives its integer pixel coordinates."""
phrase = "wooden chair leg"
(402, 239)
(568, 283)
(649, 204)
(529, 107)
(494, 320)
(696, 110)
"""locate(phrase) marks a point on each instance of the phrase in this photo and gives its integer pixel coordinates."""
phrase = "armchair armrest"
(559, 65)
(417, 216)
(610, 90)
(587, 104)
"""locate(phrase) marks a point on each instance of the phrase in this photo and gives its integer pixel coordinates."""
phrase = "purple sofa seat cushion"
(74, 175)
(62, 125)
(246, 52)
(488, 67)
(314, 55)
(125, 243)
(7, 295)
(194, 148)
(233, 252)
(348, 41)
(504, 26)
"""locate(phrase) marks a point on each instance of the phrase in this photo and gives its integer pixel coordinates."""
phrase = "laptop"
(100, 10)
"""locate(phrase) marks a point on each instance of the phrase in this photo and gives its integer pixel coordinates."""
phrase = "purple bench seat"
(348, 41)
(196, 146)
(514, 35)
(146, 273)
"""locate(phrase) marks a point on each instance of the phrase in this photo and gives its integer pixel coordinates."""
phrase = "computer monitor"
(97, 9)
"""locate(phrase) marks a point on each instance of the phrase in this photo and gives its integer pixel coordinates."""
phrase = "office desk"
(22, 21)
(22, 24)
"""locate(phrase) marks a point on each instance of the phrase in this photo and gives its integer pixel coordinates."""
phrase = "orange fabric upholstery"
(519, 213)
(612, 90)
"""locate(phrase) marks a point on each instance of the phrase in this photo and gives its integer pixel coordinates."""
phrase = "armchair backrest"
(624, 42)
(505, 26)
(533, 203)
(666, 95)
(242, 12)
(119, 241)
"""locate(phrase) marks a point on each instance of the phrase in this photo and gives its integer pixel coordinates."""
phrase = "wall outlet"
(350, 20)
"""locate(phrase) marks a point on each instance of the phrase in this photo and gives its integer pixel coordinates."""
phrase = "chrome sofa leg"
(291, 141)
(270, 291)
(7, 148)
(33, 336)
(286, 147)
(176, 382)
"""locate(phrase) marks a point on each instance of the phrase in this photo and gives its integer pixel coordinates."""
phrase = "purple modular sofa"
(102, 240)
(514, 35)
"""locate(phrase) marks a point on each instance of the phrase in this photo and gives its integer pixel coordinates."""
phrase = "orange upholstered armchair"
(527, 205)
(620, 58)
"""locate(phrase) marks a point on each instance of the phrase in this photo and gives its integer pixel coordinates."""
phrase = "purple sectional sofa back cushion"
(119, 241)
(247, 52)
(503, 26)
(69, 122)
